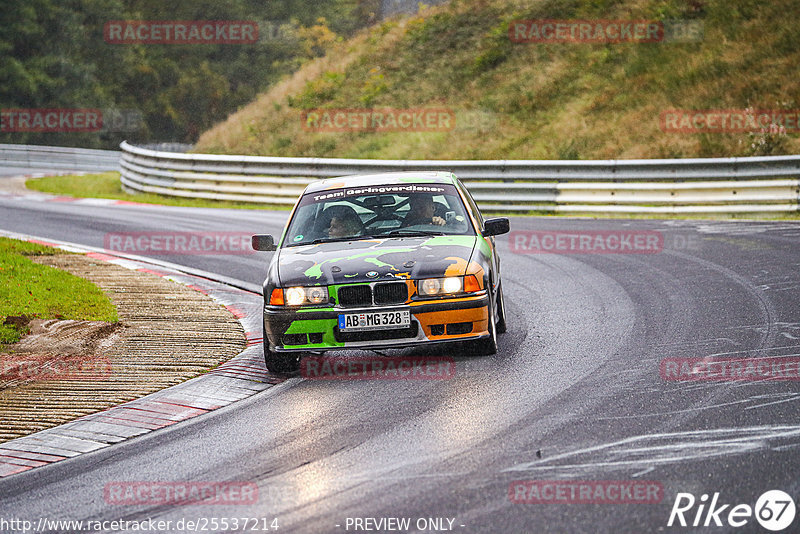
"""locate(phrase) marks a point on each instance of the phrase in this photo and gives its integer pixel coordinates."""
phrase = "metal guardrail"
(719, 185)
(59, 158)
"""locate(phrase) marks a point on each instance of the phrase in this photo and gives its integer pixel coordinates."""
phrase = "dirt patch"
(167, 333)
(67, 337)
(59, 350)
(17, 321)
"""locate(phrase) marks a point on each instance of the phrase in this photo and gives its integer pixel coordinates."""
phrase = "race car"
(382, 261)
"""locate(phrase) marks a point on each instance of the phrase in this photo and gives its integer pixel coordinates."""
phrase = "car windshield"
(378, 211)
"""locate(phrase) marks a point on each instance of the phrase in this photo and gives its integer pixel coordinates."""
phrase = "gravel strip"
(168, 333)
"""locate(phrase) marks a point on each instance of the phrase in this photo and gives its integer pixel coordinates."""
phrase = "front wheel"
(280, 363)
(488, 346)
(501, 310)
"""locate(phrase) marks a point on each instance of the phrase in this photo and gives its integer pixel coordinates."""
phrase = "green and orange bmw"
(382, 261)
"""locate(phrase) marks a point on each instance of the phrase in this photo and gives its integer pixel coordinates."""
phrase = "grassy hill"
(534, 100)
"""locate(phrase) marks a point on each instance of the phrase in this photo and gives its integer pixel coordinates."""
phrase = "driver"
(421, 209)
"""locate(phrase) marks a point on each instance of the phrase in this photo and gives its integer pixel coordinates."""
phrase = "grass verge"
(29, 290)
(107, 185)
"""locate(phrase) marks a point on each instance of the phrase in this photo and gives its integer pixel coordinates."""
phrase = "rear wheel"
(280, 363)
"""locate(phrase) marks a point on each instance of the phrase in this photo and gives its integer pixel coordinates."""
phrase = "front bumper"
(432, 322)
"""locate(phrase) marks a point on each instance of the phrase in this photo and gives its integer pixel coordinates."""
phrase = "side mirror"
(264, 242)
(496, 226)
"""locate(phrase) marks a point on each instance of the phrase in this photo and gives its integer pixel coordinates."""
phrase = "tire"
(501, 310)
(488, 346)
(280, 363)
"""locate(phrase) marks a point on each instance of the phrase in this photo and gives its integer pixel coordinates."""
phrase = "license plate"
(351, 322)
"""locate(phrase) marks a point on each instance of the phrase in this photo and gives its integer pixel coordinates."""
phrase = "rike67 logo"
(774, 510)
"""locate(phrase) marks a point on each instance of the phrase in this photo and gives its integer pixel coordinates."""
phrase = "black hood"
(345, 262)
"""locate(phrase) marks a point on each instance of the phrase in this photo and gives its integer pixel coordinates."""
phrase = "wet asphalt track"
(574, 393)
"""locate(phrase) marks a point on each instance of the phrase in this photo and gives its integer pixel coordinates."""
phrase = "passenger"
(343, 227)
(344, 223)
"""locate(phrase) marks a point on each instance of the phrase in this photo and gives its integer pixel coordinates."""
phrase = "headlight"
(297, 296)
(450, 285)
(317, 295)
(428, 287)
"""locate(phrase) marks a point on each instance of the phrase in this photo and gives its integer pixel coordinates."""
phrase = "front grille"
(376, 335)
(384, 293)
(391, 293)
(355, 295)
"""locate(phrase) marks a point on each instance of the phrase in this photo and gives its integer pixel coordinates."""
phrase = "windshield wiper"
(334, 239)
(393, 233)
(413, 233)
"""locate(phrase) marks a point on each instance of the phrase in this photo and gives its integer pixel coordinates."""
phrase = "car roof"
(386, 178)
